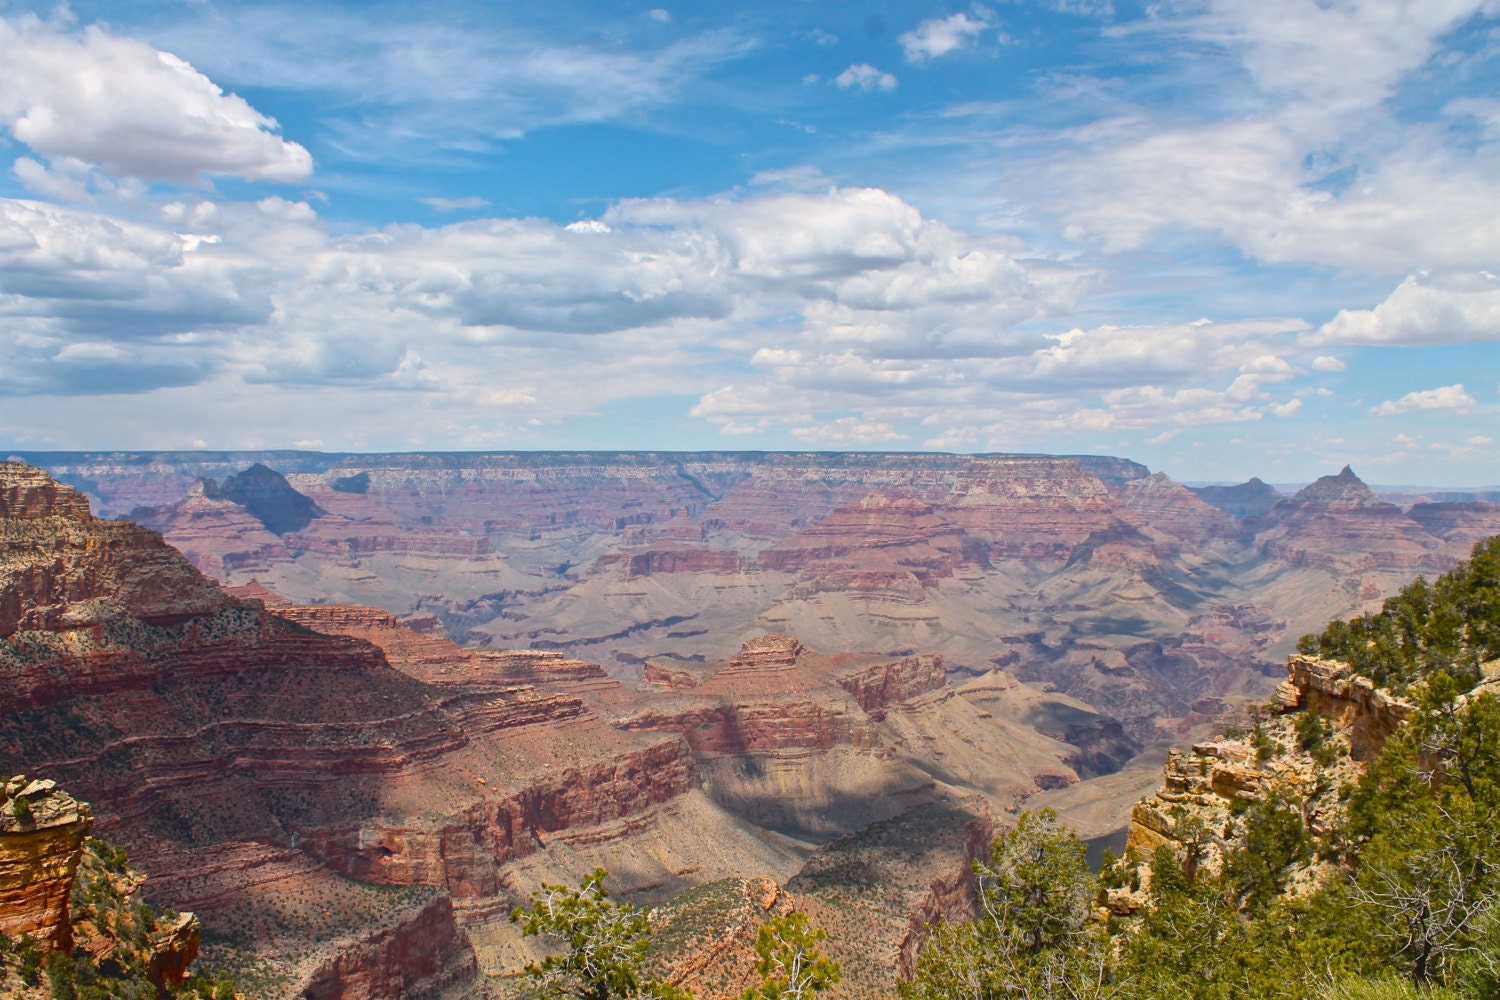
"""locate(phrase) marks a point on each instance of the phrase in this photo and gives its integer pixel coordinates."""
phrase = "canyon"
(352, 806)
(378, 699)
(1144, 599)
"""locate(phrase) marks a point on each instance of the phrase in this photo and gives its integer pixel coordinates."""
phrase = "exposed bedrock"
(41, 843)
(425, 955)
(464, 853)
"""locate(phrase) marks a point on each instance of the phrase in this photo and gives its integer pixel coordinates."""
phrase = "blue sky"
(1222, 237)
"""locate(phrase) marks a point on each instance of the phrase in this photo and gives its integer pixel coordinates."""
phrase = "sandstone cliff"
(41, 843)
(1203, 789)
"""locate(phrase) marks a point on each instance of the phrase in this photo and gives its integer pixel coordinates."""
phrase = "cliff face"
(425, 955)
(1121, 575)
(1203, 788)
(41, 843)
(235, 750)
(61, 569)
(816, 745)
(1367, 714)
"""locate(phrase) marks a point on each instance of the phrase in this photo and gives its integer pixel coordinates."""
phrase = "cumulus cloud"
(940, 35)
(1450, 308)
(1328, 363)
(268, 292)
(104, 99)
(1448, 397)
(864, 77)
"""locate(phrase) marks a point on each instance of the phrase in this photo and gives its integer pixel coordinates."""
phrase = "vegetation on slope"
(118, 937)
(1451, 624)
(1397, 896)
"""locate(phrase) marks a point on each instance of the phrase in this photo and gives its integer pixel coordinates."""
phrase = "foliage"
(1452, 624)
(606, 942)
(790, 965)
(1034, 936)
(102, 896)
(1275, 843)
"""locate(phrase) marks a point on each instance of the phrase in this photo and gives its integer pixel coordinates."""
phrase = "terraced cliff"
(316, 806)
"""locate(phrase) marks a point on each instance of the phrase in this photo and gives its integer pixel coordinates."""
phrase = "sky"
(1224, 238)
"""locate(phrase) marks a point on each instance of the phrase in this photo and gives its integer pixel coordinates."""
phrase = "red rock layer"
(885, 684)
(879, 531)
(1337, 523)
(681, 559)
(1175, 510)
(776, 695)
(57, 563)
(464, 853)
(191, 719)
(425, 955)
(1461, 523)
(435, 660)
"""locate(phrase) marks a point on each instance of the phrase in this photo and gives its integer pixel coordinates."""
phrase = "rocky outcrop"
(173, 949)
(1250, 499)
(1338, 524)
(1368, 714)
(877, 687)
(704, 940)
(28, 494)
(42, 830)
(424, 955)
(62, 569)
(268, 497)
(1204, 788)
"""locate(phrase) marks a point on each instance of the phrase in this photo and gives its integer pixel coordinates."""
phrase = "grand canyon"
(350, 710)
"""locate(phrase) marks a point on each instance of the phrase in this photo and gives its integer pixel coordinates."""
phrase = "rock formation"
(269, 498)
(41, 843)
(878, 892)
(1204, 788)
(238, 753)
(1250, 499)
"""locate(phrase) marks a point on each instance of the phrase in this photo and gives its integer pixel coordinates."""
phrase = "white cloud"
(863, 76)
(416, 84)
(846, 431)
(103, 99)
(1328, 363)
(659, 15)
(940, 35)
(1448, 397)
(1448, 308)
(454, 204)
(1329, 57)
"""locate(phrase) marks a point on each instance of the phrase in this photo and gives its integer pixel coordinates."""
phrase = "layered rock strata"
(196, 722)
(42, 830)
